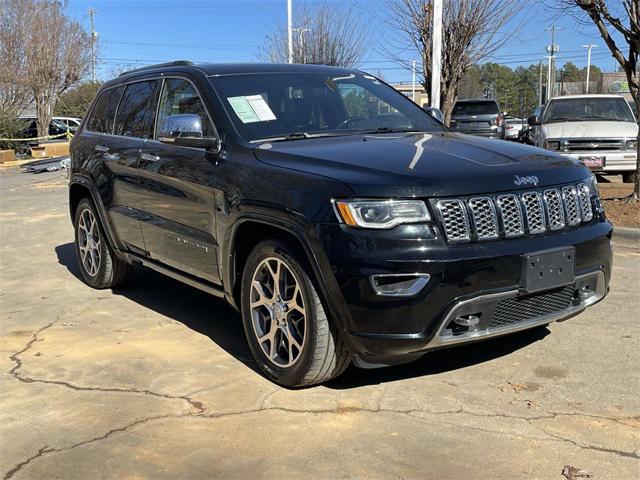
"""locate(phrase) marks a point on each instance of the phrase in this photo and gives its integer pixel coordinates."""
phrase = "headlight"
(552, 145)
(632, 144)
(381, 213)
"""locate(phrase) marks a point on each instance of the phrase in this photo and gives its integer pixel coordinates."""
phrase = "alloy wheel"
(89, 243)
(278, 312)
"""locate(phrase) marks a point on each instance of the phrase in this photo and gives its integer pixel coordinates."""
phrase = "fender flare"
(88, 184)
(321, 269)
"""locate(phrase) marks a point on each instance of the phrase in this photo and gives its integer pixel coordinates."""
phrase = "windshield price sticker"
(251, 108)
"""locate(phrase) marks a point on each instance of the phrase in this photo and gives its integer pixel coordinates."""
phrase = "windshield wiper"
(606, 119)
(300, 136)
(389, 130)
(563, 119)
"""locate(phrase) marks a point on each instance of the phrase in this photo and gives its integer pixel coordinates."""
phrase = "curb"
(626, 234)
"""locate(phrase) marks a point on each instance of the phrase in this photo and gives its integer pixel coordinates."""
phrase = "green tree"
(75, 102)
(571, 73)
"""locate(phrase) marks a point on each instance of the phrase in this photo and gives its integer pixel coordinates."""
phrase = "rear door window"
(137, 110)
(104, 111)
(475, 108)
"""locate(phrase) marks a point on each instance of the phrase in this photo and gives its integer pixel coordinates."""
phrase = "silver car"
(511, 128)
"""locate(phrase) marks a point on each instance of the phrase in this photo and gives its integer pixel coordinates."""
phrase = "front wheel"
(291, 339)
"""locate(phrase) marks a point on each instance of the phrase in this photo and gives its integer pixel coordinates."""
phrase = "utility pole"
(540, 83)
(588, 47)
(413, 80)
(94, 36)
(436, 54)
(289, 31)
(552, 49)
(301, 32)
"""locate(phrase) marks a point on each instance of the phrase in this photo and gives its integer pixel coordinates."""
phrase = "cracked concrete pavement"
(155, 381)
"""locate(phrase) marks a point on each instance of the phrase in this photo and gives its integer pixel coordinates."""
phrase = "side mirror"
(185, 130)
(533, 120)
(435, 113)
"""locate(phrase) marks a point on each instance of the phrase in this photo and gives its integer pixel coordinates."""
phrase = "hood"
(590, 130)
(422, 164)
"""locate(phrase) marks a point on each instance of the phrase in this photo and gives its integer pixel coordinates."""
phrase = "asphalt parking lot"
(155, 381)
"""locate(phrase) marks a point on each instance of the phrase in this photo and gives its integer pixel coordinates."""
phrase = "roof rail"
(175, 63)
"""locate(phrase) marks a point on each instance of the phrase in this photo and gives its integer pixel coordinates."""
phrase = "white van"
(598, 130)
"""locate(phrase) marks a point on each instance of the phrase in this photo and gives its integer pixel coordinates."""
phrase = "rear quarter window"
(104, 111)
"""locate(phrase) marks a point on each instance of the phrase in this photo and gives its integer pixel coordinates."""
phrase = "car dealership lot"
(156, 381)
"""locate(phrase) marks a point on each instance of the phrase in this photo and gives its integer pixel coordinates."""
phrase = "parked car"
(511, 128)
(72, 122)
(477, 117)
(31, 127)
(530, 131)
(340, 232)
(598, 130)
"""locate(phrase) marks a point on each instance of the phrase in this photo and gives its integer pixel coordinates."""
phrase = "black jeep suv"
(341, 219)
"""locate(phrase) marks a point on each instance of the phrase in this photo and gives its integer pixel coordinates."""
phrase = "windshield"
(587, 109)
(475, 108)
(275, 105)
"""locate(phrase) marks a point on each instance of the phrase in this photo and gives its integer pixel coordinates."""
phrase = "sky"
(141, 32)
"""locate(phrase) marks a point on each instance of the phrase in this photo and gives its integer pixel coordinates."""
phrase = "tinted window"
(137, 110)
(588, 109)
(104, 111)
(180, 97)
(268, 105)
(475, 108)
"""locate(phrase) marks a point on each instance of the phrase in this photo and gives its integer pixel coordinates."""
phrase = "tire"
(99, 266)
(629, 177)
(277, 321)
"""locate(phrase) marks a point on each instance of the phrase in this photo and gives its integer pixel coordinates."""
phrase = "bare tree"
(323, 35)
(50, 52)
(624, 23)
(471, 31)
(14, 92)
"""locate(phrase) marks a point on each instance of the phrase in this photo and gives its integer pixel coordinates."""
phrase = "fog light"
(399, 285)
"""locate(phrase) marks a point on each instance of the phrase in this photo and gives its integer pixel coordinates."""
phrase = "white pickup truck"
(598, 130)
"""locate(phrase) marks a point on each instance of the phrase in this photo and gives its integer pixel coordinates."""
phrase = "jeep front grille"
(483, 215)
(454, 220)
(555, 212)
(534, 212)
(511, 215)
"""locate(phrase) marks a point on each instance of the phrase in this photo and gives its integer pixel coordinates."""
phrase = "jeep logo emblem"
(530, 180)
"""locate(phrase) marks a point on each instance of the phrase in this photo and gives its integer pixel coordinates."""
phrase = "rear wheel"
(99, 266)
(289, 334)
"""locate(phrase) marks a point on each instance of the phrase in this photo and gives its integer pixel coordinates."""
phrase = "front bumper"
(613, 161)
(387, 330)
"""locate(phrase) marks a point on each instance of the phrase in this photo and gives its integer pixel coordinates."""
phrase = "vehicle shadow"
(189, 306)
(217, 320)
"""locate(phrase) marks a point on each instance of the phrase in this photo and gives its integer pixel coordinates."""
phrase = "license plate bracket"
(548, 269)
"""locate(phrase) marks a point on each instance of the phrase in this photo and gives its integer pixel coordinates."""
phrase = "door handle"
(149, 157)
(101, 148)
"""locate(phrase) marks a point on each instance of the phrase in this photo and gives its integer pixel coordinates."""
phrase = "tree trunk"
(44, 112)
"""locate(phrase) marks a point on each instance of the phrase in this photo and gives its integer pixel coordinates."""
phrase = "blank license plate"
(593, 162)
(546, 270)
